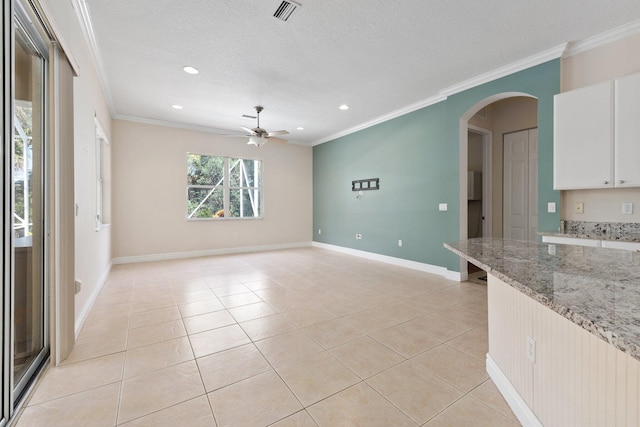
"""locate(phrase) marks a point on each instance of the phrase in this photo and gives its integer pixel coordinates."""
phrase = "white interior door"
(533, 184)
(520, 218)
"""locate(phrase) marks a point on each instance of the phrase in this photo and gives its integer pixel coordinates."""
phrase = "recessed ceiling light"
(300, 128)
(190, 70)
(344, 107)
(177, 107)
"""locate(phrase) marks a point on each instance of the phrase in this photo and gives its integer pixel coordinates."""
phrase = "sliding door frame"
(6, 391)
(21, 17)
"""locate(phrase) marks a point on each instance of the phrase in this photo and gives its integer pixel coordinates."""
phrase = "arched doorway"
(503, 118)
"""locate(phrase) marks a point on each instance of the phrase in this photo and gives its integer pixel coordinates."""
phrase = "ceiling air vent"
(285, 10)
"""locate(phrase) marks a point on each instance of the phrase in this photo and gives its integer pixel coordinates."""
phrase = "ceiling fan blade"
(278, 132)
(249, 131)
(277, 139)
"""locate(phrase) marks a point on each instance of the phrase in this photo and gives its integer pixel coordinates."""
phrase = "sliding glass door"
(5, 294)
(24, 342)
(28, 206)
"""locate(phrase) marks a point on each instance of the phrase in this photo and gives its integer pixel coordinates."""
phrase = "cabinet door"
(627, 131)
(583, 138)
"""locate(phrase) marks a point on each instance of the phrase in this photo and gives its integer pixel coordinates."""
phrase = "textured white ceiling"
(377, 56)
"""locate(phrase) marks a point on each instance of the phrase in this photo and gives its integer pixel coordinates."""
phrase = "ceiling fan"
(258, 136)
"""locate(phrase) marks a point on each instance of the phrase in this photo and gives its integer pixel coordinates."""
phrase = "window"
(223, 187)
(103, 171)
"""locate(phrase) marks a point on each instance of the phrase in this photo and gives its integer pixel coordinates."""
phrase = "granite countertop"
(598, 289)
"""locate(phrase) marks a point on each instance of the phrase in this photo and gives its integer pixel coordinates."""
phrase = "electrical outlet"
(400, 243)
(551, 207)
(552, 249)
(442, 206)
(531, 349)
(578, 208)
(627, 208)
(319, 231)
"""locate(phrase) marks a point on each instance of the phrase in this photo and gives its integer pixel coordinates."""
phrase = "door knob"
(605, 182)
(621, 181)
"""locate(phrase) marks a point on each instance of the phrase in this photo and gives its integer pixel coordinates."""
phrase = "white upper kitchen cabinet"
(627, 131)
(583, 138)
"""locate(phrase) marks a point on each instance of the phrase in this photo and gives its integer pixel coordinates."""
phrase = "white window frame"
(102, 178)
(225, 184)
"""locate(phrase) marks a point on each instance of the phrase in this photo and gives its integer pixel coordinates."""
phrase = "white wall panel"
(577, 379)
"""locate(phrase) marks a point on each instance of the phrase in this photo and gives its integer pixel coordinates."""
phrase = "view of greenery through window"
(223, 187)
(22, 170)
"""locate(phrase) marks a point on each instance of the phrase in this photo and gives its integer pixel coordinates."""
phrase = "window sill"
(248, 218)
(102, 227)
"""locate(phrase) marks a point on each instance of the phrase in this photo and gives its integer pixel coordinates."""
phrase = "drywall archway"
(463, 153)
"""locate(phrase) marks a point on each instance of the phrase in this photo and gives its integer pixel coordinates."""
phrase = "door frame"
(463, 144)
(6, 401)
(487, 175)
(25, 19)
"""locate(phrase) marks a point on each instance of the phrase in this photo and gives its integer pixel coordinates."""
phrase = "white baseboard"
(428, 268)
(92, 299)
(207, 252)
(517, 404)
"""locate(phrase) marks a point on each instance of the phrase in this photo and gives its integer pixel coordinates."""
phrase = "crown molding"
(531, 61)
(392, 115)
(514, 67)
(601, 39)
(187, 126)
(82, 13)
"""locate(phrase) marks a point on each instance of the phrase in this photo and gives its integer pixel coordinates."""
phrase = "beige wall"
(93, 249)
(603, 63)
(507, 115)
(149, 190)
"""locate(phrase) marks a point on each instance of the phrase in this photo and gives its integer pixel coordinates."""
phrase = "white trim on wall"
(207, 252)
(517, 404)
(386, 117)
(603, 38)
(514, 67)
(427, 268)
(80, 319)
(82, 13)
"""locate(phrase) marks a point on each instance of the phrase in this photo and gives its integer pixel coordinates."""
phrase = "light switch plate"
(627, 208)
(551, 207)
(531, 349)
(578, 208)
(442, 206)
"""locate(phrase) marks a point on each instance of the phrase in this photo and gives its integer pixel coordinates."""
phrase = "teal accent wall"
(416, 157)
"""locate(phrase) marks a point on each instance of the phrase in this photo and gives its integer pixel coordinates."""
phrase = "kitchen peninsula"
(564, 330)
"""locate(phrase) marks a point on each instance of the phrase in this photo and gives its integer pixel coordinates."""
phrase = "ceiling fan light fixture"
(344, 107)
(190, 70)
(176, 107)
(258, 141)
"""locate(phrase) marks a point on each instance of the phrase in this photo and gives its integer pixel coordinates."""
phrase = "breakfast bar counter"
(564, 330)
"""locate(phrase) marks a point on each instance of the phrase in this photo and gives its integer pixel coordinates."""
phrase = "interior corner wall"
(416, 157)
(149, 176)
(93, 248)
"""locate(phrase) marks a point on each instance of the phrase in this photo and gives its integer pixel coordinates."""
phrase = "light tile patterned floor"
(302, 337)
